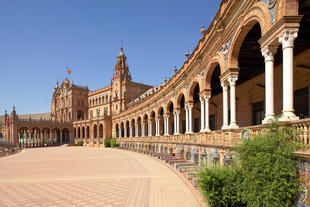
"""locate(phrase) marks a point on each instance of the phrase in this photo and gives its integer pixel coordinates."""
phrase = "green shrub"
(79, 143)
(114, 143)
(107, 142)
(221, 186)
(270, 171)
(267, 174)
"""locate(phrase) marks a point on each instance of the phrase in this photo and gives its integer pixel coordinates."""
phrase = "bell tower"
(119, 82)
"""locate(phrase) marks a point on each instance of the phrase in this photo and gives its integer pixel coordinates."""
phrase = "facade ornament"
(225, 48)
(202, 74)
(203, 32)
(186, 87)
(175, 69)
(187, 55)
(271, 4)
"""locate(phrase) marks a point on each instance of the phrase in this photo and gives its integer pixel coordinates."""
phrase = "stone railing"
(224, 138)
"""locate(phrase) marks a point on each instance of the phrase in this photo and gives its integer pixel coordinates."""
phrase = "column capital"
(207, 97)
(268, 53)
(287, 38)
(177, 110)
(232, 79)
(189, 104)
(202, 99)
(224, 85)
(229, 72)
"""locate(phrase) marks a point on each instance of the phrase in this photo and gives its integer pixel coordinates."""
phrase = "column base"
(176, 134)
(225, 126)
(268, 119)
(190, 132)
(288, 116)
(207, 130)
(233, 126)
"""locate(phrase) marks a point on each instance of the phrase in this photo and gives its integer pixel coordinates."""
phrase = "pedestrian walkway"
(80, 176)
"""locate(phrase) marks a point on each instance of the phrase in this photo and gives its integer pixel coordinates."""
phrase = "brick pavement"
(80, 176)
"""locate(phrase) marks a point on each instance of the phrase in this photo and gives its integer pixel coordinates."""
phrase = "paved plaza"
(79, 176)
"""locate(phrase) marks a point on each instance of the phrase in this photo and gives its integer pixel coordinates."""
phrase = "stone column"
(157, 126)
(167, 124)
(232, 83)
(186, 119)
(225, 105)
(207, 123)
(41, 139)
(142, 129)
(51, 137)
(130, 131)
(287, 39)
(202, 114)
(190, 125)
(119, 132)
(150, 128)
(175, 122)
(125, 132)
(178, 121)
(268, 53)
(137, 130)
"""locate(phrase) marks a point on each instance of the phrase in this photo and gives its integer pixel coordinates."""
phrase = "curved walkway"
(79, 176)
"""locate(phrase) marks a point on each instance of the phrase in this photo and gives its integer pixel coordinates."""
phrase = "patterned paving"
(77, 176)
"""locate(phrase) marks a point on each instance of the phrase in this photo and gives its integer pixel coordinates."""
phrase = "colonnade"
(228, 83)
(36, 137)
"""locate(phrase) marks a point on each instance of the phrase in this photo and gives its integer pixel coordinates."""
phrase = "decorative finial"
(187, 55)
(203, 31)
(165, 79)
(122, 45)
(175, 69)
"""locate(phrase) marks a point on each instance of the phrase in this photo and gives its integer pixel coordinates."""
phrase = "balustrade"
(226, 137)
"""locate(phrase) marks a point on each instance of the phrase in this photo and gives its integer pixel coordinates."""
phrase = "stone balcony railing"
(223, 138)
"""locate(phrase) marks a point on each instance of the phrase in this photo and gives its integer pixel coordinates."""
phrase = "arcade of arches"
(252, 63)
(249, 65)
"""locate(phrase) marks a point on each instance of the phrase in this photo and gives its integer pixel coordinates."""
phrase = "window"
(98, 112)
(301, 102)
(105, 111)
(91, 114)
(258, 112)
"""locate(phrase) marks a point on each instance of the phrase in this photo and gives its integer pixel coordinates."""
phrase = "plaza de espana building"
(251, 64)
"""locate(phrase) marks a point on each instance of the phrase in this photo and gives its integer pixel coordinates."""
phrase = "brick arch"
(259, 13)
(209, 74)
(191, 89)
(218, 59)
(178, 99)
(169, 102)
(159, 109)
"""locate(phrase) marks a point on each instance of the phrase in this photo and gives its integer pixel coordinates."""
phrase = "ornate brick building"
(250, 64)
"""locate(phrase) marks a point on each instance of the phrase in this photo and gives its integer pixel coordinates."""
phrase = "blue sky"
(38, 38)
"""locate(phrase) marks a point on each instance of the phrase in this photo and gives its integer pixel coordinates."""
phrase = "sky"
(39, 38)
